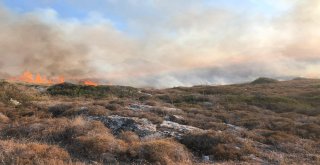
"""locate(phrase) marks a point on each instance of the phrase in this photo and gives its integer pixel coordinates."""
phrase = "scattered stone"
(173, 117)
(236, 128)
(207, 104)
(41, 89)
(143, 107)
(206, 158)
(258, 160)
(146, 94)
(178, 117)
(167, 109)
(83, 110)
(15, 102)
(140, 107)
(172, 134)
(185, 129)
(157, 135)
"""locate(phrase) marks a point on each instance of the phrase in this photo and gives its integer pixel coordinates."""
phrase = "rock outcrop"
(142, 127)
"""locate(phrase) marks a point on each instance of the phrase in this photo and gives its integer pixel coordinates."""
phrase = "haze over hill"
(164, 82)
(160, 43)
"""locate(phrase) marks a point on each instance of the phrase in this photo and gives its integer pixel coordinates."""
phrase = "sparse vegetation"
(265, 122)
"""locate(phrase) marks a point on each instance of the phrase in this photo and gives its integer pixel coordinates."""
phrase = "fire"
(28, 77)
(60, 79)
(90, 83)
(41, 80)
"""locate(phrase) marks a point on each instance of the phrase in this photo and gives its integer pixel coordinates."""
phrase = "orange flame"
(28, 77)
(90, 83)
(38, 79)
(41, 80)
(60, 79)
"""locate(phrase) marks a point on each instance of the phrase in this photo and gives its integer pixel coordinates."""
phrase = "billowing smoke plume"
(27, 43)
(165, 44)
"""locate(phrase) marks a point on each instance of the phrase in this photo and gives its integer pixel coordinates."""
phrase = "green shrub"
(73, 90)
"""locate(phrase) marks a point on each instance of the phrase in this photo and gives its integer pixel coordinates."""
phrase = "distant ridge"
(264, 80)
(300, 78)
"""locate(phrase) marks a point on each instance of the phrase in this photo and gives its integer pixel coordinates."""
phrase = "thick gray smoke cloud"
(26, 43)
(176, 43)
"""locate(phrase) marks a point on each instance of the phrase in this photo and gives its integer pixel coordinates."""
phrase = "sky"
(161, 43)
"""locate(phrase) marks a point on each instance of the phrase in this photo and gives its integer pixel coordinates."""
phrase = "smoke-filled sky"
(161, 43)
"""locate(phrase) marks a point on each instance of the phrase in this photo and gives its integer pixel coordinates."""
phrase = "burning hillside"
(30, 78)
(90, 83)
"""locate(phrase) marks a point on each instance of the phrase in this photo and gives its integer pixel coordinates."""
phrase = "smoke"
(174, 44)
(27, 43)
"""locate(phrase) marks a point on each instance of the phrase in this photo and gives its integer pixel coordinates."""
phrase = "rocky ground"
(263, 122)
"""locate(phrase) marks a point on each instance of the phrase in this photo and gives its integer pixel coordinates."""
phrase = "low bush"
(58, 109)
(276, 138)
(113, 107)
(162, 151)
(222, 146)
(310, 130)
(101, 147)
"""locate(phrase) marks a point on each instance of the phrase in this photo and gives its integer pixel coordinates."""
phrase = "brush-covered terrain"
(263, 122)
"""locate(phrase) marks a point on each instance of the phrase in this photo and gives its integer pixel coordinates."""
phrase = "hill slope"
(255, 123)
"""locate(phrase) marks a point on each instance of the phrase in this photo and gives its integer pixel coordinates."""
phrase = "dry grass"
(56, 130)
(129, 137)
(12, 152)
(279, 125)
(4, 118)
